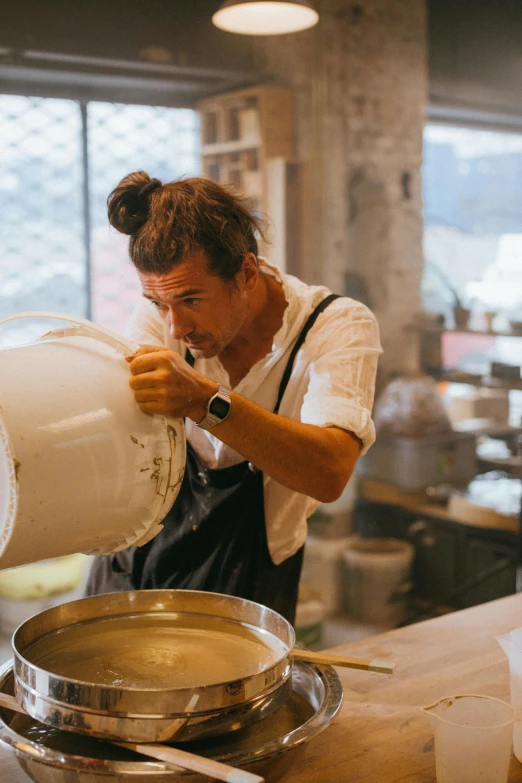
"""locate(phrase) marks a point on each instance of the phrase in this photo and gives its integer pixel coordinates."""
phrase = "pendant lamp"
(265, 17)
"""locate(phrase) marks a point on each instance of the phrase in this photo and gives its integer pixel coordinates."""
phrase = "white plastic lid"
(8, 488)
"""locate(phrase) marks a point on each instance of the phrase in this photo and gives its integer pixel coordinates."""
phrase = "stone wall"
(360, 85)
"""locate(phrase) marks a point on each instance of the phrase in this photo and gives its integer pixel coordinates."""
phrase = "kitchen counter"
(381, 736)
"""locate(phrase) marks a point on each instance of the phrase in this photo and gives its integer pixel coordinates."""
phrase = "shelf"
(434, 329)
(456, 376)
(224, 147)
(243, 134)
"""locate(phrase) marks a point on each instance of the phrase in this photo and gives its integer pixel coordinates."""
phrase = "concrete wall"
(360, 81)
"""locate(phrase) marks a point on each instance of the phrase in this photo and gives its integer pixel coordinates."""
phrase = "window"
(473, 216)
(59, 160)
(472, 191)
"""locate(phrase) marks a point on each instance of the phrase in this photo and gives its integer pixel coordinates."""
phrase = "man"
(275, 380)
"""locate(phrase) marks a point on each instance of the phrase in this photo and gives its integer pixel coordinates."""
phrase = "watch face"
(219, 407)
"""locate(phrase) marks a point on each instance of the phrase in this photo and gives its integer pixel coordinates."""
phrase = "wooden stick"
(205, 766)
(173, 729)
(385, 667)
(11, 703)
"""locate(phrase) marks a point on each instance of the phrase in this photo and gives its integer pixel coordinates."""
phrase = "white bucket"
(82, 469)
(323, 567)
(377, 579)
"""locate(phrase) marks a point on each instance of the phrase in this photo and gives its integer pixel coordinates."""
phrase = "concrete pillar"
(360, 85)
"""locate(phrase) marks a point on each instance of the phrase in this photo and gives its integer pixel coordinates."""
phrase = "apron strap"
(297, 345)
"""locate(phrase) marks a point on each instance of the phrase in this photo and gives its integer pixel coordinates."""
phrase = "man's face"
(199, 308)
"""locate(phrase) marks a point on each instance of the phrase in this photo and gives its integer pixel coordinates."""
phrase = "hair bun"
(151, 186)
(128, 205)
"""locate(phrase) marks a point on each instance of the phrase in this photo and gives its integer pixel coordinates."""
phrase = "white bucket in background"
(82, 469)
(377, 579)
(323, 567)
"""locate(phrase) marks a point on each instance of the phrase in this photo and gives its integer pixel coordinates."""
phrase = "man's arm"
(316, 461)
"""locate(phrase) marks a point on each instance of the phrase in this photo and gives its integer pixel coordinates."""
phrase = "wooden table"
(381, 736)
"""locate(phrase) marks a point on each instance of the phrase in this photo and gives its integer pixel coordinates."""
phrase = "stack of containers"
(366, 579)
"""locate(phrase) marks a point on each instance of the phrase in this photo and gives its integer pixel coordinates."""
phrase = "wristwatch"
(218, 408)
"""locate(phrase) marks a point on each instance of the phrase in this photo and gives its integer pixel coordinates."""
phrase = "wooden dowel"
(172, 730)
(385, 667)
(201, 764)
(11, 703)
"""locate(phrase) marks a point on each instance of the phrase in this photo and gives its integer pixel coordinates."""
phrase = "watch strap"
(211, 419)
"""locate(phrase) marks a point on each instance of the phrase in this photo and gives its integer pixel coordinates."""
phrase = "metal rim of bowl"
(324, 677)
(39, 687)
(158, 730)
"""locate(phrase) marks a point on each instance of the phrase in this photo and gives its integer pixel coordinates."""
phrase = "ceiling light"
(265, 17)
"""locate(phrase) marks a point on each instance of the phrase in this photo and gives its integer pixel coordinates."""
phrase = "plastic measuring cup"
(473, 738)
(511, 643)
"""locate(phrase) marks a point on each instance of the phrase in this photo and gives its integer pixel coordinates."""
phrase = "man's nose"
(179, 327)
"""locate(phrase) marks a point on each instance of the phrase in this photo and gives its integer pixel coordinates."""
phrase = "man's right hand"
(164, 383)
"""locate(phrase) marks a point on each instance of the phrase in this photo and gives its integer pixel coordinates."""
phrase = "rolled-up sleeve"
(341, 385)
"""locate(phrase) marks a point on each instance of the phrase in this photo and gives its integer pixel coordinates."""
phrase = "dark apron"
(214, 537)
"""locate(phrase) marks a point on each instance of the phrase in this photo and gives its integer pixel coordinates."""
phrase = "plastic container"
(82, 469)
(377, 579)
(511, 643)
(473, 736)
(323, 568)
(419, 462)
(411, 406)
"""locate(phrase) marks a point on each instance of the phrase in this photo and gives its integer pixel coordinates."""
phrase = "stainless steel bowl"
(267, 748)
(149, 714)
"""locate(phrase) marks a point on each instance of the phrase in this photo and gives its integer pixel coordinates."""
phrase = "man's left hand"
(164, 383)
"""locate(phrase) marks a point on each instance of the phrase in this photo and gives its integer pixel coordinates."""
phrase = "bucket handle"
(84, 328)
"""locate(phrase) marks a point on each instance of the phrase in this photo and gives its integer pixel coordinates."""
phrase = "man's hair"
(167, 223)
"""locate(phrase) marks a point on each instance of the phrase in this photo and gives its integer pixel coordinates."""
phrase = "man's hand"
(164, 383)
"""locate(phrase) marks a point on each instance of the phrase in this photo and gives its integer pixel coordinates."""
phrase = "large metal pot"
(150, 714)
(268, 748)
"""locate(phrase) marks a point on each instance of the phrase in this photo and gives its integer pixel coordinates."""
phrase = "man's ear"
(249, 271)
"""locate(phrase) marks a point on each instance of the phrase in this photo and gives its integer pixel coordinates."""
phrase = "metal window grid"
(59, 159)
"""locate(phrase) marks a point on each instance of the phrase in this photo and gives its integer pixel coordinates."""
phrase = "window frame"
(85, 188)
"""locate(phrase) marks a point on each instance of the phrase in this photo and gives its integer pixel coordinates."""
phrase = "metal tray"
(149, 714)
(269, 748)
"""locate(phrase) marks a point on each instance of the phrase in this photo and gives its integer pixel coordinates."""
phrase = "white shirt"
(332, 384)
